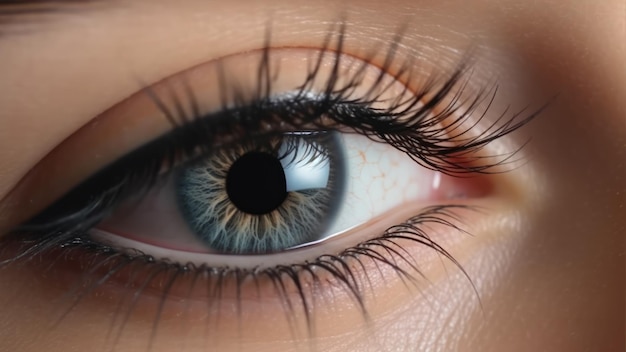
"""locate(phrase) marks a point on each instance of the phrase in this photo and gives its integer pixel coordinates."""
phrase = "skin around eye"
(343, 271)
(546, 247)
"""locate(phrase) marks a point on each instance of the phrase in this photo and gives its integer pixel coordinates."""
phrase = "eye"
(276, 170)
(262, 198)
(307, 177)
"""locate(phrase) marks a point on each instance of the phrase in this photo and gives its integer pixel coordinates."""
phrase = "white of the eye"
(379, 179)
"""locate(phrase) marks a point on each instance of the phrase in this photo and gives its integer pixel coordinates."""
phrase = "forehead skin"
(554, 283)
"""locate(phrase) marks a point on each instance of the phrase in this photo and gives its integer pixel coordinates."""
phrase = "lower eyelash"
(345, 270)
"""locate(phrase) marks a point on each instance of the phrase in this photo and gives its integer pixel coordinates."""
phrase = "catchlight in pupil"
(256, 183)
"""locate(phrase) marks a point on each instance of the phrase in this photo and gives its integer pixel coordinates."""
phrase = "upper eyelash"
(417, 130)
(405, 125)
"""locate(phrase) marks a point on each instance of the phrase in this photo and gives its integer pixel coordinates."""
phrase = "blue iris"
(266, 197)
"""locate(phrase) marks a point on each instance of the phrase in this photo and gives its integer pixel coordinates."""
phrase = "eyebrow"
(9, 7)
(21, 12)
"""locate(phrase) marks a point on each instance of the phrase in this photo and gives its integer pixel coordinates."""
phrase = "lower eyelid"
(259, 303)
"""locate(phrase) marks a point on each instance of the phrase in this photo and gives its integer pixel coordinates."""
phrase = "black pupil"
(256, 183)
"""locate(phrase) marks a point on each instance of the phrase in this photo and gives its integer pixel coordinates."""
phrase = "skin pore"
(545, 259)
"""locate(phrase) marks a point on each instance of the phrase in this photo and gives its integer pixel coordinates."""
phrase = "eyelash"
(405, 125)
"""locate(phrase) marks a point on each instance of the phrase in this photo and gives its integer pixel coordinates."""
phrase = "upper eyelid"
(123, 73)
(5, 204)
(413, 141)
(8, 214)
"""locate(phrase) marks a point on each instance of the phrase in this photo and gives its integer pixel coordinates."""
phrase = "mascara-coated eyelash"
(431, 126)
